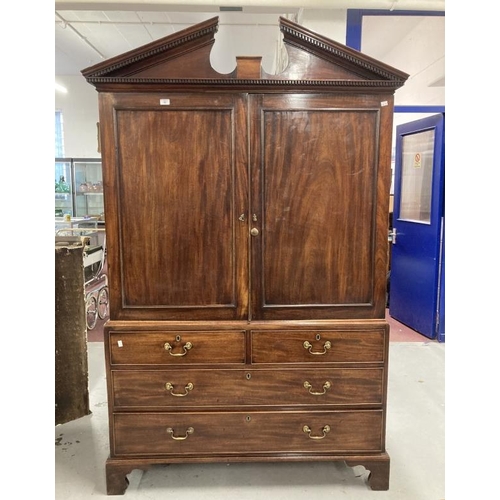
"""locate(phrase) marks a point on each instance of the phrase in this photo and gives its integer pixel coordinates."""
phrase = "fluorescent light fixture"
(62, 89)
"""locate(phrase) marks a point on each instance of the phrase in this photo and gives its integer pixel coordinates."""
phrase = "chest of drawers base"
(117, 469)
(243, 392)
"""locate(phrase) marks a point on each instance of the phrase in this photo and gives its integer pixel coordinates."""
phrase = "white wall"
(233, 41)
(420, 52)
(80, 116)
(327, 22)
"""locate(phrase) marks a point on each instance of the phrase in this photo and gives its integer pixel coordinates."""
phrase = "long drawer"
(176, 348)
(189, 388)
(209, 433)
(318, 346)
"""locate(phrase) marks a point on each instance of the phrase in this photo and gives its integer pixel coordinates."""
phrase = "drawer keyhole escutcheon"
(326, 386)
(189, 431)
(325, 430)
(170, 387)
(186, 347)
(327, 345)
(248, 376)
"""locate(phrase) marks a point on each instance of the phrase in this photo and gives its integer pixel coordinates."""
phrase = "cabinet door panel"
(316, 171)
(180, 171)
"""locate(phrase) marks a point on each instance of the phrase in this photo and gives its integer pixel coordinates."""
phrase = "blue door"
(417, 260)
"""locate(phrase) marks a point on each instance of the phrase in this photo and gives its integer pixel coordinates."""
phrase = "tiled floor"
(401, 333)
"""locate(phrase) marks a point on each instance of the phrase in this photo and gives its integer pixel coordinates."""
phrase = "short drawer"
(318, 346)
(209, 433)
(176, 348)
(222, 388)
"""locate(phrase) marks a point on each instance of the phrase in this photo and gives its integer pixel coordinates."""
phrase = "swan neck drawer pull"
(170, 387)
(307, 430)
(327, 345)
(326, 386)
(185, 347)
(189, 431)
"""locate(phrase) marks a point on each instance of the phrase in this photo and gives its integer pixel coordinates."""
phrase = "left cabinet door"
(176, 186)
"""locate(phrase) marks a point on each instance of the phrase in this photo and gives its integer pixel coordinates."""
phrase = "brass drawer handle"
(326, 386)
(169, 386)
(307, 430)
(186, 348)
(189, 431)
(327, 345)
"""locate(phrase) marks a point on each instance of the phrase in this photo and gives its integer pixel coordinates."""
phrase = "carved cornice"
(358, 71)
(335, 52)
(158, 50)
(307, 40)
(244, 83)
(153, 49)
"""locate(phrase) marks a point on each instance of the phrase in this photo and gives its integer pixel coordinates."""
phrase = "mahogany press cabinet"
(247, 232)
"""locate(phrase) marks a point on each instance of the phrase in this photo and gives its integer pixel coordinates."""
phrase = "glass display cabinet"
(78, 187)
(89, 200)
(63, 187)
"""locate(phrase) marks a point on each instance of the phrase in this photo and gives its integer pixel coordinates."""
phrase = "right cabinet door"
(320, 174)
